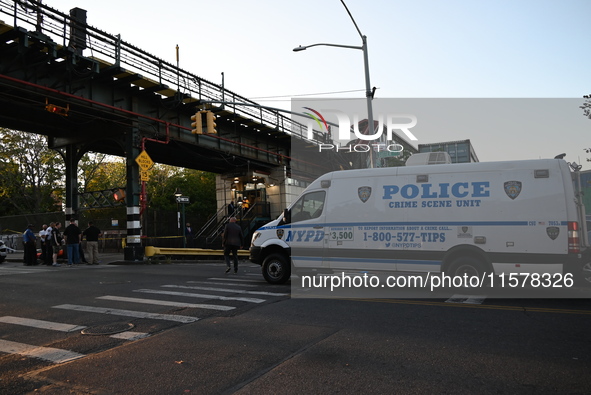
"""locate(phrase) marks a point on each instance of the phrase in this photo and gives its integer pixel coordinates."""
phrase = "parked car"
(60, 254)
(3, 251)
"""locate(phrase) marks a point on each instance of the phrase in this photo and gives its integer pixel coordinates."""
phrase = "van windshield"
(308, 206)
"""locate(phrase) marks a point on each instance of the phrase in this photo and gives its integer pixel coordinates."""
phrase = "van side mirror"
(286, 216)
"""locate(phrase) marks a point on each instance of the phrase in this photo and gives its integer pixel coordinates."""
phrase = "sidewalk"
(15, 259)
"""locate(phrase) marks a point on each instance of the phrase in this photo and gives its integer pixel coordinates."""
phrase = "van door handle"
(319, 227)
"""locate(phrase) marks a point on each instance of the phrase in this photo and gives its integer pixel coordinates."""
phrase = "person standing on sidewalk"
(44, 236)
(232, 239)
(92, 234)
(49, 244)
(30, 246)
(73, 235)
(189, 236)
(55, 241)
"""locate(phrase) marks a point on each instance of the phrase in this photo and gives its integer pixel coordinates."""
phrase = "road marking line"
(54, 326)
(468, 299)
(225, 290)
(5, 271)
(130, 335)
(50, 354)
(128, 313)
(167, 303)
(192, 295)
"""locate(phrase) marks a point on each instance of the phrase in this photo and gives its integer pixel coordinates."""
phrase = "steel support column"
(71, 155)
(133, 250)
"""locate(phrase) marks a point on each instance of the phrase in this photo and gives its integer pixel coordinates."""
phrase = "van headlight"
(255, 236)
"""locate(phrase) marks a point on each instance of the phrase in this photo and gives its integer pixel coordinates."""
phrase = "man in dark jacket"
(232, 239)
(92, 234)
(30, 244)
(73, 235)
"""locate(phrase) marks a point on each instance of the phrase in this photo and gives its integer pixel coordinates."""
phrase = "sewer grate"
(108, 329)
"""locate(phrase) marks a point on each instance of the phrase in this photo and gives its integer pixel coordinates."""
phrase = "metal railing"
(35, 16)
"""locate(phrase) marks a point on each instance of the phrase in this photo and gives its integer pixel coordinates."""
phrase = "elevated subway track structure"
(88, 90)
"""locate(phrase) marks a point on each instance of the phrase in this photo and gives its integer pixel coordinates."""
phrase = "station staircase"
(249, 220)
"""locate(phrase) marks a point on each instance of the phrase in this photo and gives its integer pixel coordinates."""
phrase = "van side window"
(308, 206)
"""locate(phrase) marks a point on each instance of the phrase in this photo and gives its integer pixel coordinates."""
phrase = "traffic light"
(57, 109)
(211, 123)
(197, 123)
(119, 194)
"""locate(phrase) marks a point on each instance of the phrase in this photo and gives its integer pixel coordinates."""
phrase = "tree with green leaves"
(32, 174)
(198, 185)
(97, 172)
(586, 107)
(32, 178)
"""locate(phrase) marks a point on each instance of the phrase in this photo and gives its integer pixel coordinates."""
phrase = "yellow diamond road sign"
(144, 161)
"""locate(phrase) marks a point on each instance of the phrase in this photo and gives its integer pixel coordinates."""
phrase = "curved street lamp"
(368, 89)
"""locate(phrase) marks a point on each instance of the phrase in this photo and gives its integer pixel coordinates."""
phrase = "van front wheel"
(276, 269)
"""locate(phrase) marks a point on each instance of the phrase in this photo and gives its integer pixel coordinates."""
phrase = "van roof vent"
(428, 158)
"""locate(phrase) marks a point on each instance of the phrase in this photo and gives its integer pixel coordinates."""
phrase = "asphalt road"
(196, 330)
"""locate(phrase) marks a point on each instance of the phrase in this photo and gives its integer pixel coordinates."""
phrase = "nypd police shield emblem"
(280, 233)
(364, 193)
(513, 189)
(553, 232)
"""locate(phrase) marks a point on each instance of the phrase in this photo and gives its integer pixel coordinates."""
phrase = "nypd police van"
(474, 218)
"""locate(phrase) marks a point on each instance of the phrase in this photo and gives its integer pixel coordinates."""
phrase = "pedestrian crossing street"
(222, 295)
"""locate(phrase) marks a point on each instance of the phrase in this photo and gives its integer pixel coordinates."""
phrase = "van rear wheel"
(276, 269)
(586, 274)
(469, 267)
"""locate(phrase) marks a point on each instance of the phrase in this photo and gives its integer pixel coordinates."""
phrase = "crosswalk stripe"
(50, 354)
(225, 290)
(193, 295)
(232, 279)
(167, 303)
(467, 299)
(128, 313)
(54, 326)
(214, 283)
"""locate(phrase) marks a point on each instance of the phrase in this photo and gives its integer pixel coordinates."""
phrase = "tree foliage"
(32, 178)
(32, 174)
(586, 107)
(98, 172)
(198, 185)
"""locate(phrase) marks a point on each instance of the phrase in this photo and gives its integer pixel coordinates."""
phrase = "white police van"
(474, 218)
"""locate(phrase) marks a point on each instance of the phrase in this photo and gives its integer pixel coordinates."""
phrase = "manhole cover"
(108, 329)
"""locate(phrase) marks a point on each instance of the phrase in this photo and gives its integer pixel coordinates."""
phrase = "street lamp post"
(181, 200)
(368, 88)
(184, 222)
(177, 194)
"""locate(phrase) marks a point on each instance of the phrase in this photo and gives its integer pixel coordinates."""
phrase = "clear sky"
(417, 49)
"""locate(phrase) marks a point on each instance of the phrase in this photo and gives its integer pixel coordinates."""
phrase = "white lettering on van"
(441, 190)
(304, 235)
